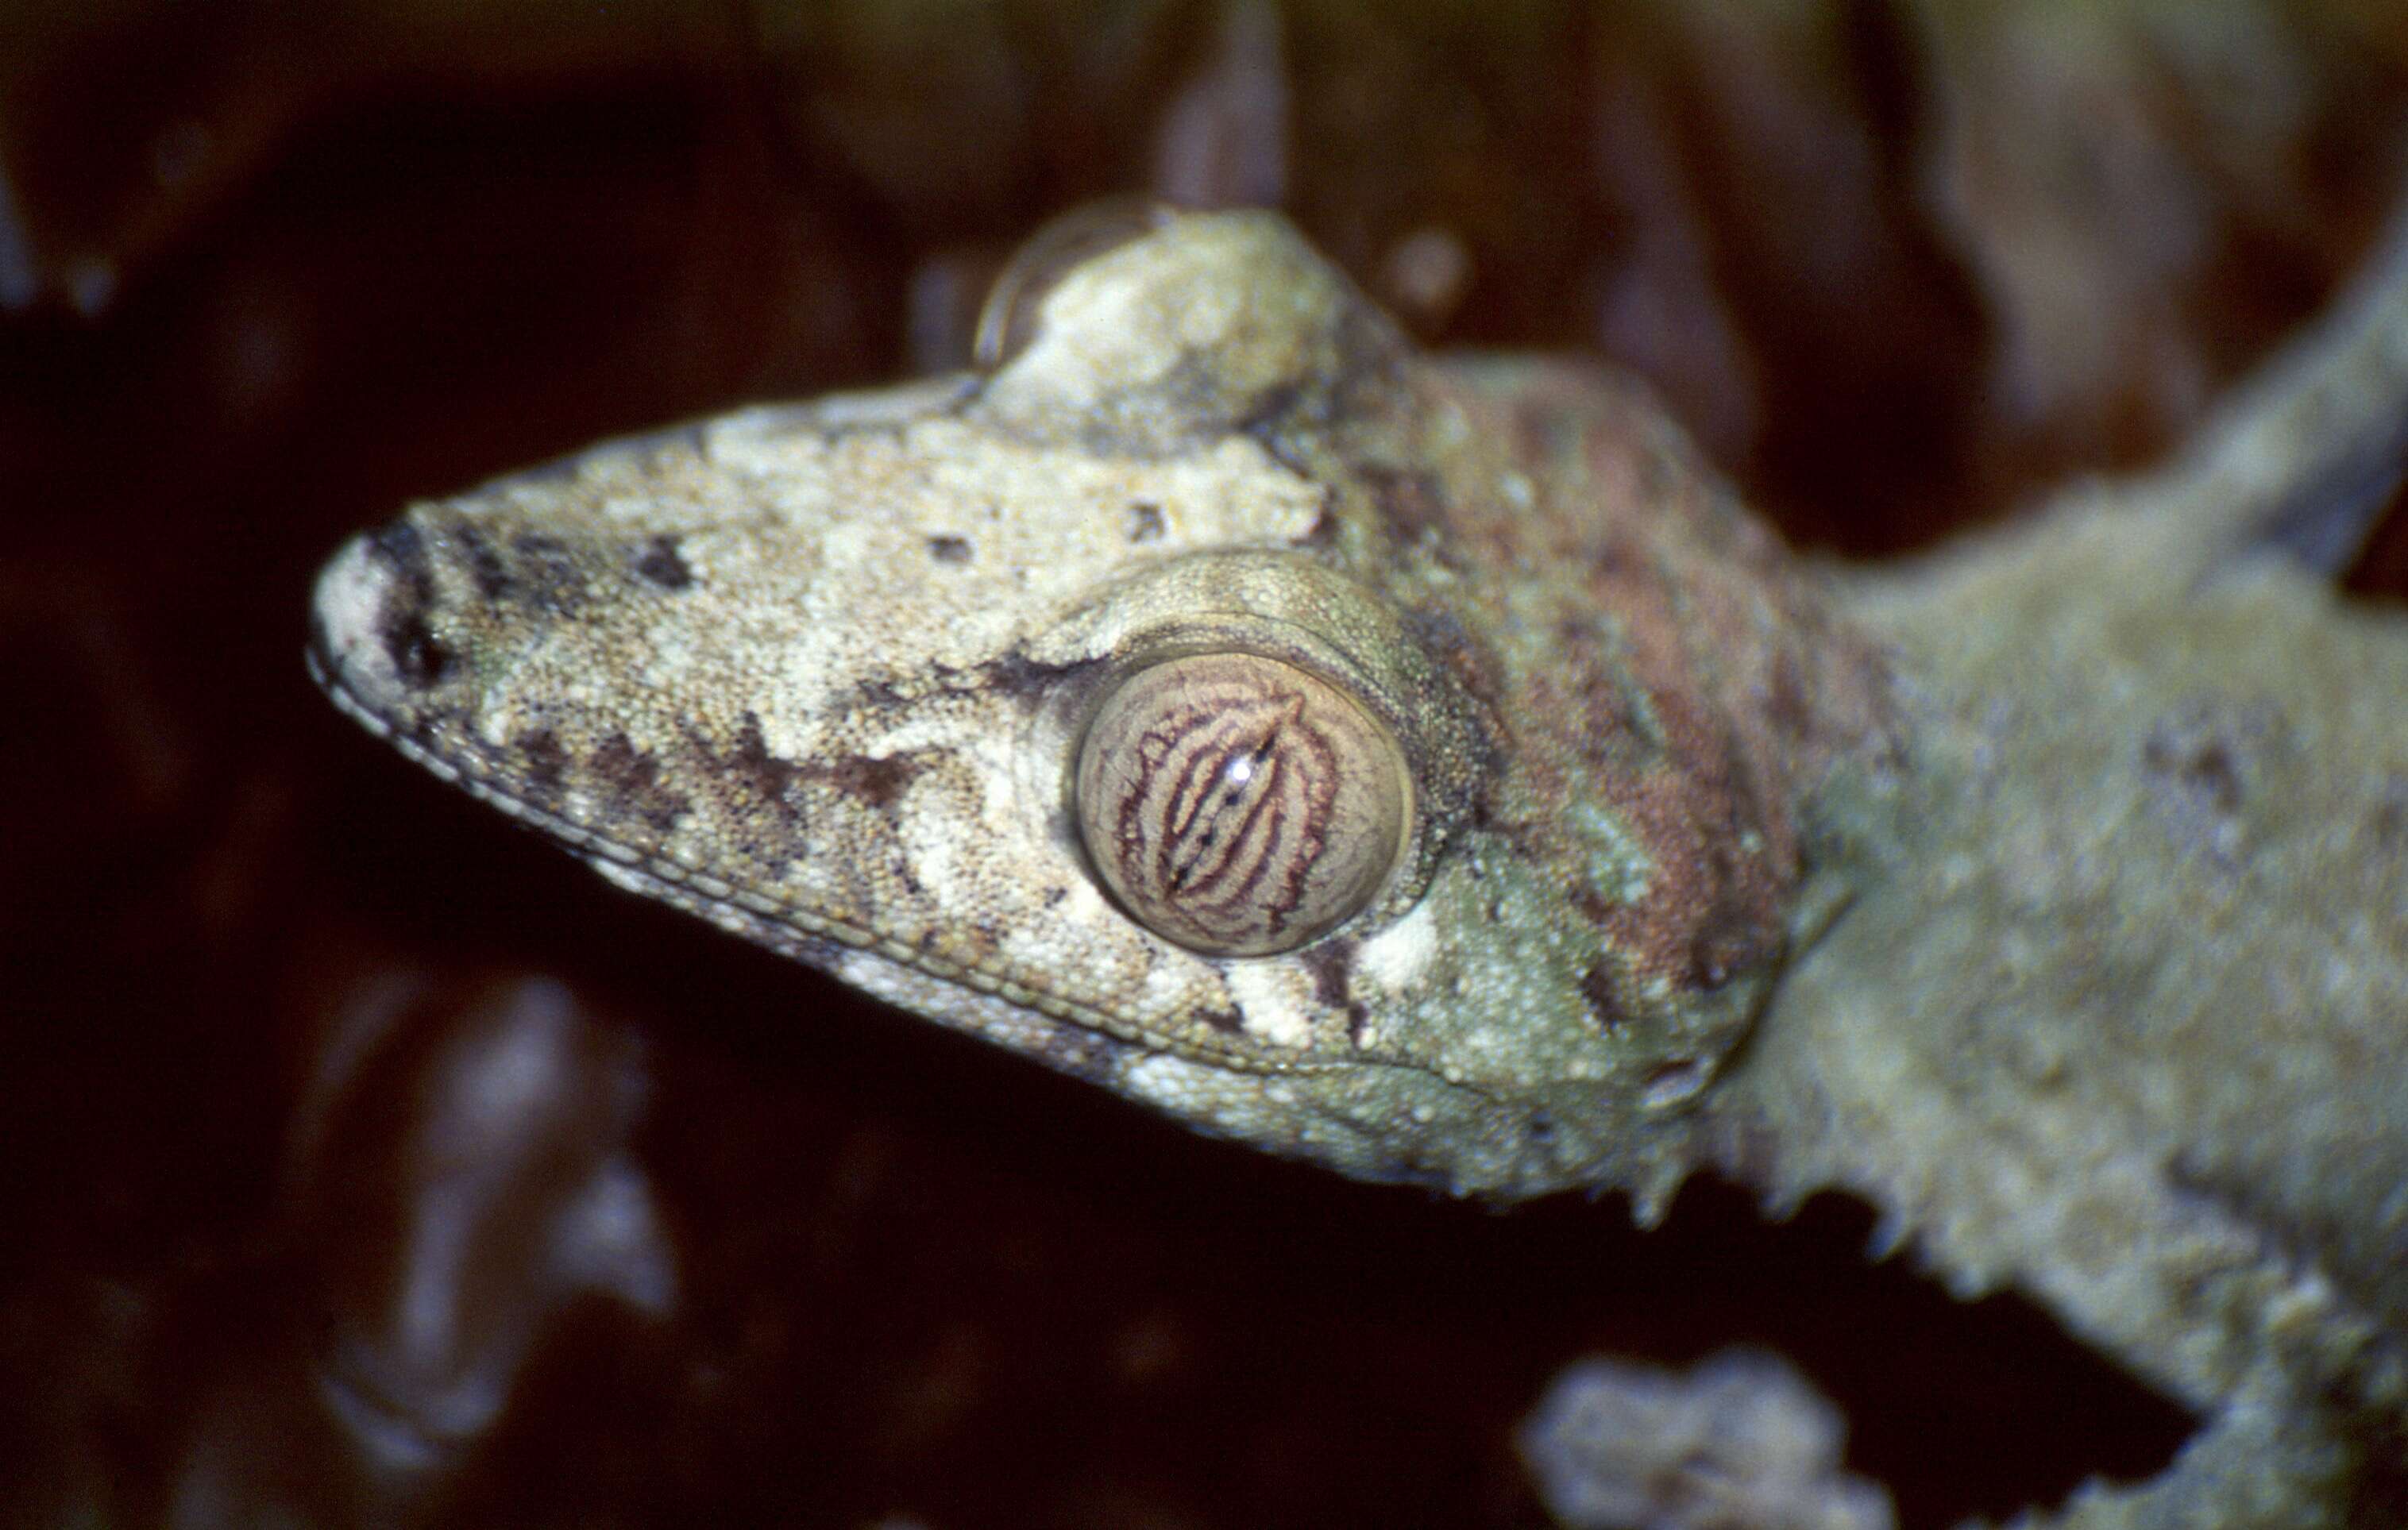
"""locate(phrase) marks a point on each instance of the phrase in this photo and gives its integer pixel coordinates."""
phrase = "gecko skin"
(1425, 767)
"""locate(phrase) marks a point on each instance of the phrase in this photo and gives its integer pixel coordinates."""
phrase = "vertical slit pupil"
(1242, 805)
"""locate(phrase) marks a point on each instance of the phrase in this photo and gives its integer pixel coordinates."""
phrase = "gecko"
(1426, 766)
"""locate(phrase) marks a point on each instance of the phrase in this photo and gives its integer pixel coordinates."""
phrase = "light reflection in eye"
(1239, 805)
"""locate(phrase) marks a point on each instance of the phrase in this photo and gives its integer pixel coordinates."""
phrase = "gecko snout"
(370, 643)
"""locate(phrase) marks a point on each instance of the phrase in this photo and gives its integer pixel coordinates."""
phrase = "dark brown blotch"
(1270, 408)
(875, 780)
(2202, 769)
(949, 550)
(485, 567)
(1226, 1022)
(2199, 762)
(660, 566)
(548, 571)
(1332, 966)
(401, 547)
(1023, 678)
(762, 776)
(878, 694)
(1144, 522)
(631, 780)
(1443, 637)
(543, 764)
(1604, 998)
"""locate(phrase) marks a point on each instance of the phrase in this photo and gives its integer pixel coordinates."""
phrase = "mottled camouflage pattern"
(2053, 896)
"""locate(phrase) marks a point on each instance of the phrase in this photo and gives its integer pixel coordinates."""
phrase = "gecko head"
(1105, 705)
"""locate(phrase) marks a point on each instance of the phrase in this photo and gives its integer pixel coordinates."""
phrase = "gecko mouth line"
(785, 929)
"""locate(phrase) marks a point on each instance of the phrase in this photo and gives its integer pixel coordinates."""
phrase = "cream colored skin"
(2052, 895)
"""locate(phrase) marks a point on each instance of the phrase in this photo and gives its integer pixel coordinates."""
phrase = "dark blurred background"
(363, 1161)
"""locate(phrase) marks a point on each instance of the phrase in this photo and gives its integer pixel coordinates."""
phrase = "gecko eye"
(1238, 804)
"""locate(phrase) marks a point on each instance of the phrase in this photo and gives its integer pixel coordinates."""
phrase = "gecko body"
(1428, 769)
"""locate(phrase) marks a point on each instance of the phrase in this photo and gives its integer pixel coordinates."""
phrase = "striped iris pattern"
(1239, 805)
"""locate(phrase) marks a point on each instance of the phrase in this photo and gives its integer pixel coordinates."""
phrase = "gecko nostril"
(418, 658)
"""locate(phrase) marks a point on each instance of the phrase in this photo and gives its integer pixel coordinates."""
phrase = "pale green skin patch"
(2051, 894)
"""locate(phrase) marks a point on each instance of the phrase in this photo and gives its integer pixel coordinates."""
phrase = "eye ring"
(1240, 805)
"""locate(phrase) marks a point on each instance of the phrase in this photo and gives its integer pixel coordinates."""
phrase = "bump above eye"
(1009, 320)
(1240, 805)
